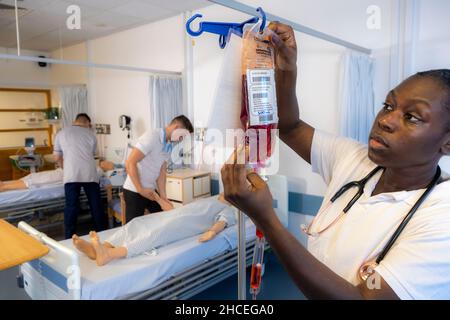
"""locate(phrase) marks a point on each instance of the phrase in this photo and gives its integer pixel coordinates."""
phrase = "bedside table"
(186, 185)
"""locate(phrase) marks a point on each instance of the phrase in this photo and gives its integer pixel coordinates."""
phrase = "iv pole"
(242, 261)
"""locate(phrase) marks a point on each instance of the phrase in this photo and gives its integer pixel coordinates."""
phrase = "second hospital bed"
(29, 204)
(32, 203)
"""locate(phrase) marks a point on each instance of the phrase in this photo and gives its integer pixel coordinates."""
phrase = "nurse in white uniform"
(386, 235)
(146, 167)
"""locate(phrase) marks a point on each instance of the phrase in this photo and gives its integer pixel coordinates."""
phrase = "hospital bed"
(179, 270)
(35, 203)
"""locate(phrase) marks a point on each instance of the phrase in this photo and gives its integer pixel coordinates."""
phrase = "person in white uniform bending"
(146, 167)
(148, 232)
(355, 249)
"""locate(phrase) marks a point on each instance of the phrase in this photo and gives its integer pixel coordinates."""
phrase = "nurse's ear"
(445, 149)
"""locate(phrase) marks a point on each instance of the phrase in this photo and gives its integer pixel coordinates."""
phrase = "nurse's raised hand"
(283, 39)
(247, 191)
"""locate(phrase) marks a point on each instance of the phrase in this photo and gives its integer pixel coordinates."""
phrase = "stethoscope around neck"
(368, 268)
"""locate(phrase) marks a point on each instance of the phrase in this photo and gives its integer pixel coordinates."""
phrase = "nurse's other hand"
(283, 39)
(148, 193)
(248, 192)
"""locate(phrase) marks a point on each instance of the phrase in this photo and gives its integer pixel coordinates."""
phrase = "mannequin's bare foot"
(102, 256)
(84, 246)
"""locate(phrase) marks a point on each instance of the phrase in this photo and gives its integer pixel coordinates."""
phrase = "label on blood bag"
(262, 98)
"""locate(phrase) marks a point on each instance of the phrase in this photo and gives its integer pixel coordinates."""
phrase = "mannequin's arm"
(12, 185)
(213, 231)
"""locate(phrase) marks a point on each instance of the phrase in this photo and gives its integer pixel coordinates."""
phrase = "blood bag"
(259, 113)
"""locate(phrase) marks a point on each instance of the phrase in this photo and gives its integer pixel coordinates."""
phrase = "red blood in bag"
(264, 146)
(255, 276)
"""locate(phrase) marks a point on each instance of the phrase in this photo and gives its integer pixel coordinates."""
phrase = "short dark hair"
(185, 122)
(82, 115)
(442, 77)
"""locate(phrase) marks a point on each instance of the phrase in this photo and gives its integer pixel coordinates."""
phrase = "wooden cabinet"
(18, 107)
(185, 185)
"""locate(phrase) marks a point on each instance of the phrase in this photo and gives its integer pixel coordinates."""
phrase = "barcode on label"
(266, 118)
(261, 95)
(261, 79)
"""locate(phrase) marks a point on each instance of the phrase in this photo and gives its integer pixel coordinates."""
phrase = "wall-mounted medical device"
(125, 124)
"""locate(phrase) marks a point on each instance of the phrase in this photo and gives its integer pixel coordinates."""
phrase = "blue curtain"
(74, 100)
(166, 99)
(357, 97)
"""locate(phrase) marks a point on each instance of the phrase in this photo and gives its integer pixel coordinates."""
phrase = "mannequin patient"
(148, 232)
(39, 179)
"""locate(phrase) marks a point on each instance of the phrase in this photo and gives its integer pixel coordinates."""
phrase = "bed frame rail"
(28, 210)
(198, 278)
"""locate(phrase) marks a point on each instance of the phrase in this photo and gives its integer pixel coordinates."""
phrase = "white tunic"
(145, 233)
(418, 265)
(151, 144)
(77, 145)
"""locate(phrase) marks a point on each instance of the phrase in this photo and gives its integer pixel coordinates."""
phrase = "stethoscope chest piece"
(367, 270)
(304, 228)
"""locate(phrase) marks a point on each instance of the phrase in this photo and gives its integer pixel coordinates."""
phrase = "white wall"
(159, 46)
(61, 74)
(433, 41)
(23, 74)
(433, 37)
(319, 61)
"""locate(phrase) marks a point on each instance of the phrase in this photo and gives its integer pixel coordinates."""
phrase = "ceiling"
(42, 24)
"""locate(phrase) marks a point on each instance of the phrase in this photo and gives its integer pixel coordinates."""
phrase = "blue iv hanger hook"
(263, 18)
(224, 29)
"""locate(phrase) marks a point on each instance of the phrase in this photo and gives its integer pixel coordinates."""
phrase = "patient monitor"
(30, 160)
(29, 145)
(125, 124)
